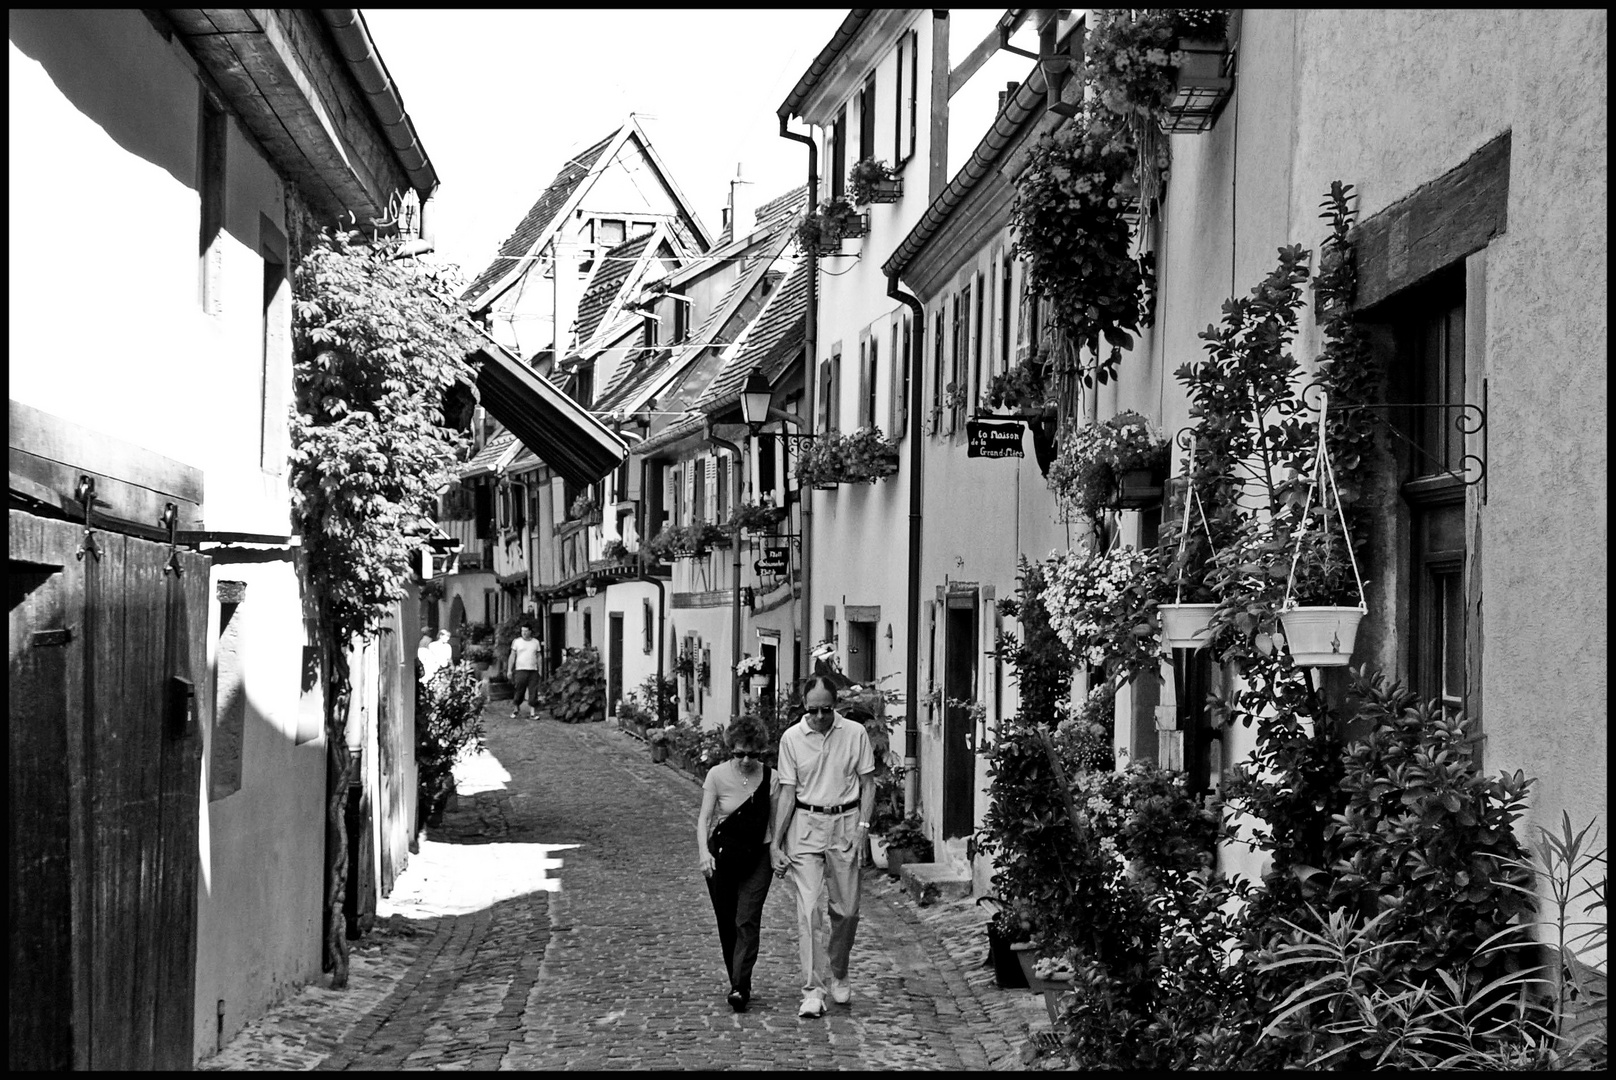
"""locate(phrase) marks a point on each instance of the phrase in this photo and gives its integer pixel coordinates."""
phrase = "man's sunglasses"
(756, 755)
(821, 709)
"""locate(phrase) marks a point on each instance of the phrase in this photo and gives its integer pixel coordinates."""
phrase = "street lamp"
(755, 398)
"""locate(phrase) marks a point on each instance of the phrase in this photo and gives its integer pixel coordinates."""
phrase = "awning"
(564, 434)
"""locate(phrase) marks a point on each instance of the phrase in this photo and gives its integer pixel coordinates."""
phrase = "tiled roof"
(538, 219)
(775, 339)
(629, 378)
(483, 461)
(783, 209)
(614, 269)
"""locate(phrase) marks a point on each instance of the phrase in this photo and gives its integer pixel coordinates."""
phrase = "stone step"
(927, 882)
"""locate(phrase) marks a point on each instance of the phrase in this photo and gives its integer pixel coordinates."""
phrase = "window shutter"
(710, 508)
(864, 420)
(900, 377)
(873, 378)
(897, 106)
(867, 118)
(914, 86)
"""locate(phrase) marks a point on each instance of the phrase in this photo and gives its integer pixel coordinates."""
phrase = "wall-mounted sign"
(993, 438)
(775, 561)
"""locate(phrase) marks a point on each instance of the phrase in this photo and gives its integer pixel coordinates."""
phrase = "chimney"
(742, 205)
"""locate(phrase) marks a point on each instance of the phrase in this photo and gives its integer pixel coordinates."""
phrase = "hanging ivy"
(377, 342)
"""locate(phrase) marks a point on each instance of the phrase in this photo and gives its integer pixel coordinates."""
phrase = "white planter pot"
(1321, 636)
(878, 851)
(1184, 626)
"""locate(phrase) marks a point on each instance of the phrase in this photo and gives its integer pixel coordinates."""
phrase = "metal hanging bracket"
(171, 521)
(85, 493)
(1469, 419)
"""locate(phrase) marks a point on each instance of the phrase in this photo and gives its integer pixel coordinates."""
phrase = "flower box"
(1321, 636)
(1201, 87)
(1184, 626)
(886, 191)
(1138, 489)
(856, 226)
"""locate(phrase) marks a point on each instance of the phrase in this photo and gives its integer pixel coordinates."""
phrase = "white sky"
(500, 99)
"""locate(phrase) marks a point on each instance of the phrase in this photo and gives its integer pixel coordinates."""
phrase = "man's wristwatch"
(864, 825)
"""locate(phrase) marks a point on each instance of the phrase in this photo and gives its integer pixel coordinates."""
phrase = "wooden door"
(959, 684)
(614, 661)
(105, 772)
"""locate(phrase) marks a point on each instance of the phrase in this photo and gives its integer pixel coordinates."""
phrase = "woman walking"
(732, 848)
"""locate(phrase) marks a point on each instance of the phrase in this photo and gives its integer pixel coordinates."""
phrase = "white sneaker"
(812, 1005)
(840, 992)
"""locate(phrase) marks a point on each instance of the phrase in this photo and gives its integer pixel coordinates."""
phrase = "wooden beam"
(973, 63)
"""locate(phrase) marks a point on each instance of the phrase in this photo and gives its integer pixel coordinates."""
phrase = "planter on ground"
(1184, 626)
(1321, 636)
(659, 753)
(878, 851)
(1007, 971)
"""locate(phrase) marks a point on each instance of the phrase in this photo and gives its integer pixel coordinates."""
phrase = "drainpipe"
(911, 726)
(810, 380)
(735, 613)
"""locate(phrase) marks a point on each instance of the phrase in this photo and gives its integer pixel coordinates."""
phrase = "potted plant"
(584, 508)
(1118, 463)
(657, 740)
(907, 842)
(867, 455)
(1324, 599)
(871, 181)
(755, 517)
(823, 230)
(1024, 388)
(1007, 929)
(821, 463)
(747, 668)
(1167, 66)
(1187, 619)
(684, 664)
(1069, 218)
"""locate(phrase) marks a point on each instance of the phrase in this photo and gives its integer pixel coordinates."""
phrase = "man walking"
(827, 791)
(524, 671)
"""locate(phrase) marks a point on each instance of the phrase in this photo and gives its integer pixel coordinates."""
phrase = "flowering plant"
(867, 455)
(1084, 474)
(754, 517)
(1134, 54)
(1083, 734)
(657, 736)
(864, 178)
(1022, 387)
(749, 665)
(1072, 234)
(823, 229)
(582, 507)
(696, 538)
(821, 463)
(1102, 605)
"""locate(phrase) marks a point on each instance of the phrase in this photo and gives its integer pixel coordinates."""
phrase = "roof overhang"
(564, 434)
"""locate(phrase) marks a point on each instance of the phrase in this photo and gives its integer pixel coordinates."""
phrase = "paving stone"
(556, 921)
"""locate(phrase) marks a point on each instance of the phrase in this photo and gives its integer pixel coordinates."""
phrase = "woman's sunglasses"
(754, 754)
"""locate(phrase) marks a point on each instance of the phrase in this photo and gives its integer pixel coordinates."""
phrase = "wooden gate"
(105, 773)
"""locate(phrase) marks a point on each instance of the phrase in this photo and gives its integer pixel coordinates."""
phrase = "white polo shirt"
(825, 768)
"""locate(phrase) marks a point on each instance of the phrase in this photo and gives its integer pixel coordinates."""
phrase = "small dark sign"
(775, 561)
(993, 438)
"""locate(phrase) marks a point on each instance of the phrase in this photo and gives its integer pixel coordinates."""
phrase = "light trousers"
(824, 857)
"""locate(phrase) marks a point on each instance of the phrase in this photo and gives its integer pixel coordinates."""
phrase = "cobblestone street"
(556, 920)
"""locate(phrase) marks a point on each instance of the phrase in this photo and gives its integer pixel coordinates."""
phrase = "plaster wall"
(860, 531)
(104, 119)
(1301, 118)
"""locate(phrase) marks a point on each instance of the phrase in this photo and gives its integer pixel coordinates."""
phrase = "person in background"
(523, 668)
(430, 656)
(827, 792)
(732, 848)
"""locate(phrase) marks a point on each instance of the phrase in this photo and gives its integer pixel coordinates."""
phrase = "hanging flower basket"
(1185, 626)
(1139, 488)
(1201, 85)
(1321, 636)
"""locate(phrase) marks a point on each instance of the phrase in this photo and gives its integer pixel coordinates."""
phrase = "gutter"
(917, 397)
(810, 363)
(364, 62)
(845, 33)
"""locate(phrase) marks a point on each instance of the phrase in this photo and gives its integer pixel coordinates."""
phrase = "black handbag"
(740, 836)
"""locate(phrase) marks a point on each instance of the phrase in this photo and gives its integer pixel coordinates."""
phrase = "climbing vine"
(377, 343)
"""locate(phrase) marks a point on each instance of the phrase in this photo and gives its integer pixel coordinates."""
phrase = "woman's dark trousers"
(738, 889)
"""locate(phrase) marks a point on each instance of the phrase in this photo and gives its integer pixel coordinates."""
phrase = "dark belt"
(842, 809)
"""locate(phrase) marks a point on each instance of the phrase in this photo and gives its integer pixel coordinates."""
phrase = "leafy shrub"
(909, 835)
(576, 693)
(450, 729)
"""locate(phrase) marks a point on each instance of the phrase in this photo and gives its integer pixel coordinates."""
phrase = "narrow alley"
(557, 921)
